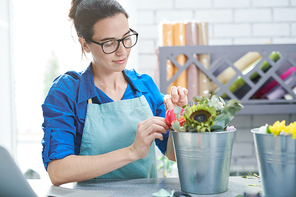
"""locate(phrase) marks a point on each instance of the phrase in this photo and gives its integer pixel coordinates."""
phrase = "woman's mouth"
(122, 61)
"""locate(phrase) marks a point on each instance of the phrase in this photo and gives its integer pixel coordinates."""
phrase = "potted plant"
(275, 147)
(203, 143)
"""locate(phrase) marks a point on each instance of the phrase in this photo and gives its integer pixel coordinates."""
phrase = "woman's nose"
(121, 49)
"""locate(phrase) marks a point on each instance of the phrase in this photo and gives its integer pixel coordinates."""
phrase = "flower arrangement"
(280, 128)
(207, 113)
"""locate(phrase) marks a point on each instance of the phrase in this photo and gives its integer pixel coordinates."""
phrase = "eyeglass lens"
(112, 46)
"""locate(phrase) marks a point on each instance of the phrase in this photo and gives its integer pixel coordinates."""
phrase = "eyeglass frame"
(118, 40)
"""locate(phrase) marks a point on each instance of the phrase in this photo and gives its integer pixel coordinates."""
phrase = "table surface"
(146, 187)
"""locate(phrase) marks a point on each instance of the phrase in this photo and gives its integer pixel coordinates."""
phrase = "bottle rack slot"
(260, 86)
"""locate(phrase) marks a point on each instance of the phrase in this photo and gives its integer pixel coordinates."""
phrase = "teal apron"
(112, 126)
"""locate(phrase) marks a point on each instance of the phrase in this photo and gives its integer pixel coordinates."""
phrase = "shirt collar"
(87, 87)
(136, 84)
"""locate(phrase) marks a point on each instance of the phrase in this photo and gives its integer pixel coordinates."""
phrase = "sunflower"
(199, 117)
(207, 113)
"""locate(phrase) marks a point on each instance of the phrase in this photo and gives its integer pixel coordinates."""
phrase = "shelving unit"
(227, 55)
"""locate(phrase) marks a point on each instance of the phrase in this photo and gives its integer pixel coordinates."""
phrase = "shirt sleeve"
(162, 144)
(59, 120)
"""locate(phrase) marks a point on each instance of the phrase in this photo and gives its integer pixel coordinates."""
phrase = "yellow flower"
(291, 128)
(278, 127)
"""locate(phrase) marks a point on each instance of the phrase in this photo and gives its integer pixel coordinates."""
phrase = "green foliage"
(165, 164)
(249, 175)
(177, 127)
(227, 113)
(213, 109)
(268, 129)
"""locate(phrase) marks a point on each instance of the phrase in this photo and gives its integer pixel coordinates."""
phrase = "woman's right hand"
(177, 97)
(147, 131)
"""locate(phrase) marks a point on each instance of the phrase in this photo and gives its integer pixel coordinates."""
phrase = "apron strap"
(89, 101)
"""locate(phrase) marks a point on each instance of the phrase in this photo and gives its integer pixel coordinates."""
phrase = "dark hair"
(85, 13)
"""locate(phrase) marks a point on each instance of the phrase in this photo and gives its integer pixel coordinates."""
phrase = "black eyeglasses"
(111, 46)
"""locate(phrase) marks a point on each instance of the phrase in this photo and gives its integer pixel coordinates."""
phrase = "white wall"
(132, 8)
(7, 109)
(230, 22)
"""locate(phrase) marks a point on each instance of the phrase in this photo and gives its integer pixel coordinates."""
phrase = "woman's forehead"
(112, 27)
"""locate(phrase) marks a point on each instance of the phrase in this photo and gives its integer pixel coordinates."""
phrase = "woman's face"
(115, 27)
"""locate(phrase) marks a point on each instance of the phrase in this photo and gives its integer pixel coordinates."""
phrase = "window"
(44, 45)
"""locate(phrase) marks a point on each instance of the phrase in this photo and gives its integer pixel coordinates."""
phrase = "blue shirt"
(64, 109)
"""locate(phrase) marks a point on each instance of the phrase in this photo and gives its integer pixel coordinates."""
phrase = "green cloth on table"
(163, 193)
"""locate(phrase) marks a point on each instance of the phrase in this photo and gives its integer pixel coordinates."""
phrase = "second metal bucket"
(203, 160)
(276, 158)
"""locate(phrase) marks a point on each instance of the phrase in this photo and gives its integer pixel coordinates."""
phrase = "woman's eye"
(110, 43)
(127, 38)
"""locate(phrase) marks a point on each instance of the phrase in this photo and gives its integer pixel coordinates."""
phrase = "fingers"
(168, 102)
(178, 97)
(152, 125)
(155, 136)
(151, 129)
(181, 95)
(147, 131)
(175, 94)
(183, 92)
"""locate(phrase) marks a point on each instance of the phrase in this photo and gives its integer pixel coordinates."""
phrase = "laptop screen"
(12, 181)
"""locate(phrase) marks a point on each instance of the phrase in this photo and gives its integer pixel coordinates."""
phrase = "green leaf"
(268, 129)
(217, 128)
(176, 126)
(161, 193)
(206, 97)
(254, 185)
(160, 166)
(222, 100)
(177, 111)
(197, 98)
(160, 157)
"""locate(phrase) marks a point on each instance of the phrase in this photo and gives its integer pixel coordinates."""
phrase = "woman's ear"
(84, 45)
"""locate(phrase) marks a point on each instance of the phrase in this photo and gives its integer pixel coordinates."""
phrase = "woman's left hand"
(178, 97)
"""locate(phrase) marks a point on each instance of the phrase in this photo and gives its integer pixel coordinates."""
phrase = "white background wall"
(230, 22)
(7, 113)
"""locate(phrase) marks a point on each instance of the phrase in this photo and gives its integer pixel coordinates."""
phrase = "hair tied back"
(73, 8)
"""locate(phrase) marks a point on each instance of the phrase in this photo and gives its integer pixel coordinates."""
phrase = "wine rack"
(223, 57)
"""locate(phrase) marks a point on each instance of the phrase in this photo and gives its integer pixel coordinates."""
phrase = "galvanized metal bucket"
(276, 157)
(203, 160)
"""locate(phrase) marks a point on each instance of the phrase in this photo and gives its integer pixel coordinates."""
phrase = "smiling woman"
(80, 140)
(40, 29)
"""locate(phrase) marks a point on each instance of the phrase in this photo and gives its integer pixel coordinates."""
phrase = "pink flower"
(171, 117)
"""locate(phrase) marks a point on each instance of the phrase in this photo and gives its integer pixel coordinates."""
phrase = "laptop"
(14, 184)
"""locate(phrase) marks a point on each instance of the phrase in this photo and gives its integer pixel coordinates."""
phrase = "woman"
(103, 122)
